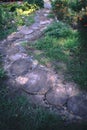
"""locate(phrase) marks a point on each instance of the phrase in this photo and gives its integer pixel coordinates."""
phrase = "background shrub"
(39, 3)
(59, 8)
(77, 5)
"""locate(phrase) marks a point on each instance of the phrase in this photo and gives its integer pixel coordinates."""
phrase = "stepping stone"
(27, 31)
(38, 82)
(14, 36)
(71, 88)
(78, 105)
(17, 56)
(46, 15)
(47, 4)
(57, 96)
(44, 22)
(20, 67)
(35, 27)
(12, 51)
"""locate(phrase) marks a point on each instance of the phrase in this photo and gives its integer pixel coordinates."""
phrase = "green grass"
(13, 15)
(2, 72)
(16, 113)
(60, 44)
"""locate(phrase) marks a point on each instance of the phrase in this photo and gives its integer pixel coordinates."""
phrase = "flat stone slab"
(14, 36)
(47, 5)
(78, 105)
(44, 22)
(38, 82)
(57, 96)
(26, 31)
(20, 67)
(35, 27)
(12, 51)
(17, 56)
(71, 89)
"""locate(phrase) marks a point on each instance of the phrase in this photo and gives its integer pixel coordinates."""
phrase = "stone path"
(40, 84)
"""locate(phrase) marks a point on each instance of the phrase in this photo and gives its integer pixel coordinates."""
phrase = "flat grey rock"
(37, 82)
(12, 51)
(47, 4)
(20, 67)
(14, 36)
(57, 96)
(17, 56)
(44, 22)
(78, 105)
(26, 31)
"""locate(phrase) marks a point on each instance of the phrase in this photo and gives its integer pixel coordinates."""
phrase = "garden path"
(41, 84)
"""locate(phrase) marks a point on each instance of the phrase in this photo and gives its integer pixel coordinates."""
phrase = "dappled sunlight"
(52, 77)
(22, 80)
(31, 78)
(60, 89)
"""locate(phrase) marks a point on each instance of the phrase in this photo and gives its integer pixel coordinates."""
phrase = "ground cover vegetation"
(15, 14)
(65, 40)
(74, 13)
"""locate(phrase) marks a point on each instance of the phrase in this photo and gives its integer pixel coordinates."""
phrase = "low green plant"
(16, 113)
(13, 15)
(60, 8)
(39, 3)
(58, 41)
(82, 31)
(77, 5)
(2, 73)
(30, 19)
(77, 67)
(58, 29)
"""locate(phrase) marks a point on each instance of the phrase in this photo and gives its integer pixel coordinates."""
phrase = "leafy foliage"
(13, 15)
(39, 3)
(77, 5)
(58, 30)
(82, 30)
(59, 8)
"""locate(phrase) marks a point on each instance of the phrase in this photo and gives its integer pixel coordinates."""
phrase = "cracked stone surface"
(78, 105)
(39, 83)
(20, 67)
(57, 96)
